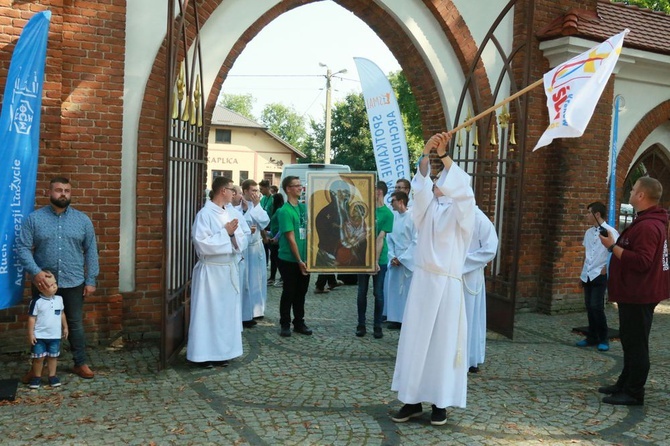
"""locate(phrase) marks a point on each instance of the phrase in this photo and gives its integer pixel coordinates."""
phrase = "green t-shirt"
(384, 222)
(293, 218)
(266, 204)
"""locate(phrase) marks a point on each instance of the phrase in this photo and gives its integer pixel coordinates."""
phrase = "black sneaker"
(473, 369)
(609, 390)
(408, 411)
(303, 329)
(378, 334)
(285, 332)
(360, 331)
(438, 417)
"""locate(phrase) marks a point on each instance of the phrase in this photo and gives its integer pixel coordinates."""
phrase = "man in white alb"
(401, 243)
(483, 248)
(431, 364)
(254, 286)
(215, 332)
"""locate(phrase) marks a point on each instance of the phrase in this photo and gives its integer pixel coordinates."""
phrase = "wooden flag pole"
(498, 105)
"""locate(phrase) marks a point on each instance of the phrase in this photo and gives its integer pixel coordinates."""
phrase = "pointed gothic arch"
(654, 161)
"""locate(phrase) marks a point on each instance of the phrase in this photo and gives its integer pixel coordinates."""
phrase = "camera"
(603, 231)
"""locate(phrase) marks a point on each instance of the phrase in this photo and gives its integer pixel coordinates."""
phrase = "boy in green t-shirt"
(292, 250)
(384, 225)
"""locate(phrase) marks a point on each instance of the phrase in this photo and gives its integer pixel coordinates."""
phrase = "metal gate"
(184, 165)
(490, 152)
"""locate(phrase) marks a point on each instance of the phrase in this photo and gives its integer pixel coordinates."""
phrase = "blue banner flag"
(19, 146)
(388, 132)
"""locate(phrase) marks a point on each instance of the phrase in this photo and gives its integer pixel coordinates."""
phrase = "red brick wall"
(560, 180)
(80, 135)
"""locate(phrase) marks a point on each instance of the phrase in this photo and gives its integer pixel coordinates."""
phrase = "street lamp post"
(329, 75)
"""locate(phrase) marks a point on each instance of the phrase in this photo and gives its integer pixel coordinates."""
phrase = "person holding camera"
(639, 279)
(594, 276)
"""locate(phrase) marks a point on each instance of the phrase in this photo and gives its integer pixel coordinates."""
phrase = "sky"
(281, 64)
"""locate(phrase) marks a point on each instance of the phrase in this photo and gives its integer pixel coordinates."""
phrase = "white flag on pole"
(574, 87)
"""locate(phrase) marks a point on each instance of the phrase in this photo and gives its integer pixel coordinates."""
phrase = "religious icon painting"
(341, 223)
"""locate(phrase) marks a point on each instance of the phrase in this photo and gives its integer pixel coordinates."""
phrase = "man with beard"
(61, 239)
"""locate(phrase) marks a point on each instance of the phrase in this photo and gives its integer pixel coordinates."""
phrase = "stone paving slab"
(333, 388)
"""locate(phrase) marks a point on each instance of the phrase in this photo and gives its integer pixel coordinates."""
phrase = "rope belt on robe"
(467, 288)
(462, 329)
(234, 272)
(255, 242)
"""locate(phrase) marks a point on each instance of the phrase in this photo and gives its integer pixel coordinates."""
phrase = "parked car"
(626, 215)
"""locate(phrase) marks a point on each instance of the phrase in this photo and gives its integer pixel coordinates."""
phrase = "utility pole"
(329, 75)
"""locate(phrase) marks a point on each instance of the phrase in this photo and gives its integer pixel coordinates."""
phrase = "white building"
(239, 148)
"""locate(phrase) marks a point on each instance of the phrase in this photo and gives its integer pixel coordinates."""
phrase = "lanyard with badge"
(302, 218)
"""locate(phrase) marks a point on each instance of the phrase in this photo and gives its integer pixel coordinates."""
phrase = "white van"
(301, 171)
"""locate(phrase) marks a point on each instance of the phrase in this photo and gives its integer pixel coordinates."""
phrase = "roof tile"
(649, 30)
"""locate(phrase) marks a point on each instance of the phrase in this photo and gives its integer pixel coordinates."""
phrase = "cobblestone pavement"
(333, 388)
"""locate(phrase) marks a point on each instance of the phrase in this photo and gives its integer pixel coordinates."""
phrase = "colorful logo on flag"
(574, 87)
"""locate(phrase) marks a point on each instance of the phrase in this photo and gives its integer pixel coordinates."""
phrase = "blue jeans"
(594, 300)
(377, 292)
(73, 301)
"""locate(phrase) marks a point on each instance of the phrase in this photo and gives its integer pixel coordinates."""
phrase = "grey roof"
(225, 117)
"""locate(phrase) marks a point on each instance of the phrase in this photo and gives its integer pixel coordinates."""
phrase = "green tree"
(239, 103)
(314, 146)
(655, 5)
(351, 142)
(285, 122)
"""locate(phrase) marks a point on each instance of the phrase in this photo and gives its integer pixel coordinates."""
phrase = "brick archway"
(144, 303)
(392, 34)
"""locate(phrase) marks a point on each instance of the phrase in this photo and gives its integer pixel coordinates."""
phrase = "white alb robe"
(235, 212)
(401, 244)
(483, 249)
(215, 331)
(254, 285)
(432, 351)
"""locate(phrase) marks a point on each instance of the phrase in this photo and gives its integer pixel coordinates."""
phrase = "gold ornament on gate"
(504, 117)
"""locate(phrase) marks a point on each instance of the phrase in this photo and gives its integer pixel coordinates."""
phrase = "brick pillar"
(560, 180)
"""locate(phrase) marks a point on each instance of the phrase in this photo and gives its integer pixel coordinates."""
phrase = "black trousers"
(322, 279)
(634, 328)
(293, 294)
(274, 256)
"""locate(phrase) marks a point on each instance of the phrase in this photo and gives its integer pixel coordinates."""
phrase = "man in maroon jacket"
(638, 281)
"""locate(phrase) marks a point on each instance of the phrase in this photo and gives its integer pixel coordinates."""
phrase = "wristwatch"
(611, 248)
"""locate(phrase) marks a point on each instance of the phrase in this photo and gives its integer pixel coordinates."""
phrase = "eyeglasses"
(295, 185)
(232, 189)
